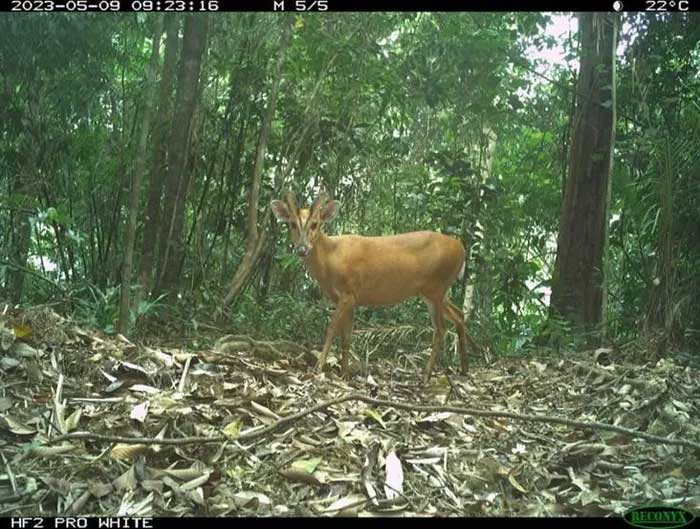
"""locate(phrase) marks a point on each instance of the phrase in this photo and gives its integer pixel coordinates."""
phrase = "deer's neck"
(316, 261)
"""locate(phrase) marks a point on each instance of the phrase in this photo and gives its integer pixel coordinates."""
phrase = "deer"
(356, 270)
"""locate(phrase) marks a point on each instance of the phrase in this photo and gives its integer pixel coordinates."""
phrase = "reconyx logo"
(658, 517)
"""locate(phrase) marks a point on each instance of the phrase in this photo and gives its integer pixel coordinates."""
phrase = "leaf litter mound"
(97, 425)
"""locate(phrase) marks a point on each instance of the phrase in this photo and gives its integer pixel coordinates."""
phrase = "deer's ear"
(330, 211)
(280, 210)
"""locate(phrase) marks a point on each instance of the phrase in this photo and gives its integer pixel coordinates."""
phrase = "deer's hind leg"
(456, 316)
(437, 314)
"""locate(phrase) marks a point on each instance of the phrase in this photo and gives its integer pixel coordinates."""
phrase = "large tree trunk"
(150, 97)
(255, 240)
(152, 213)
(178, 177)
(579, 283)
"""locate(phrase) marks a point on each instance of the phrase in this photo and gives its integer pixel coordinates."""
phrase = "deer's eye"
(293, 227)
(314, 225)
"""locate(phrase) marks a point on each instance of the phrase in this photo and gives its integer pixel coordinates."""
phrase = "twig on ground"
(254, 433)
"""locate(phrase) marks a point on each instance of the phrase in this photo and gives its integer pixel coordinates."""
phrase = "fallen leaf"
(143, 388)
(267, 412)
(60, 486)
(139, 412)
(300, 476)
(99, 489)
(394, 476)
(127, 481)
(184, 474)
(375, 416)
(51, 451)
(73, 419)
(347, 506)
(127, 451)
(152, 485)
(7, 363)
(516, 485)
(306, 465)
(22, 331)
(247, 498)
(233, 429)
(196, 482)
(15, 426)
(24, 350)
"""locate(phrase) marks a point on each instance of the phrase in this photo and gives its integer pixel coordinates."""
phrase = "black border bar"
(320, 6)
(78, 522)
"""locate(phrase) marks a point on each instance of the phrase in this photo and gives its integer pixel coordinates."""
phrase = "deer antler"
(320, 201)
(291, 201)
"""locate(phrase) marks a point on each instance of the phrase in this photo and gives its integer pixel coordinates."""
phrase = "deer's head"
(304, 223)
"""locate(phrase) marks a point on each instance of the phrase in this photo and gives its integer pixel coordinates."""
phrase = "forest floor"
(97, 425)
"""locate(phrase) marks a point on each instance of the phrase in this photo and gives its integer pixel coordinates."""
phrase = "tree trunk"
(20, 236)
(177, 179)
(578, 283)
(659, 318)
(255, 240)
(485, 169)
(25, 191)
(152, 213)
(150, 95)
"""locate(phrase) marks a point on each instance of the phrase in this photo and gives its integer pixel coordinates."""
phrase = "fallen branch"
(255, 433)
(610, 377)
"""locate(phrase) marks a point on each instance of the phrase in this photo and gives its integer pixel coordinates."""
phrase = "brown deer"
(353, 270)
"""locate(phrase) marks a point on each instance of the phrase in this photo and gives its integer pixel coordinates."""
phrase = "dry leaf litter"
(233, 447)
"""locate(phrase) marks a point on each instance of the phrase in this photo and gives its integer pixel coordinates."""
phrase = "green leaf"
(306, 465)
(233, 429)
(375, 416)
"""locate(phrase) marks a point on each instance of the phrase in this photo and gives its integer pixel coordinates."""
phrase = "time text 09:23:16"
(114, 5)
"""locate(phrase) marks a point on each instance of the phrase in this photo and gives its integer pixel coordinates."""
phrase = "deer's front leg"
(342, 310)
(345, 335)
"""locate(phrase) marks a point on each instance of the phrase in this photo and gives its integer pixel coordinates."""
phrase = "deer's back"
(389, 269)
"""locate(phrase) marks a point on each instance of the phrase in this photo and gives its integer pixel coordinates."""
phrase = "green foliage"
(281, 316)
(95, 307)
(393, 114)
(654, 238)
(98, 308)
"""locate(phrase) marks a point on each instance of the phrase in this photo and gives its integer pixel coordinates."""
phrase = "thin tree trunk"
(107, 264)
(150, 95)
(659, 313)
(485, 170)
(177, 180)
(188, 182)
(153, 213)
(255, 240)
(222, 209)
(579, 280)
(255, 243)
(231, 189)
(25, 190)
(20, 236)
